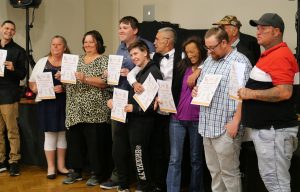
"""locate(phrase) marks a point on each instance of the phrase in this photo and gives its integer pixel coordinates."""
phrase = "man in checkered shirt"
(219, 123)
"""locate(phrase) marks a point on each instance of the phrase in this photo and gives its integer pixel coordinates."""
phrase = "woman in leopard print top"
(87, 115)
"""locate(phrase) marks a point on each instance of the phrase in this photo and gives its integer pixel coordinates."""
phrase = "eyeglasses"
(211, 48)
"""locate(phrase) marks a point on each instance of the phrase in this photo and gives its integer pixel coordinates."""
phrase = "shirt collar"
(267, 52)
(234, 44)
(171, 53)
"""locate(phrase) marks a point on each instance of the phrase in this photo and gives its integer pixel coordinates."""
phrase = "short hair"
(97, 36)
(171, 33)
(67, 50)
(132, 21)
(8, 21)
(219, 32)
(141, 45)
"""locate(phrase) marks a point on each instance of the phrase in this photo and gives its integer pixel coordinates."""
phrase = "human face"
(57, 47)
(90, 44)
(161, 43)
(214, 47)
(138, 57)
(193, 53)
(265, 35)
(231, 31)
(8, 31)
(127, 33)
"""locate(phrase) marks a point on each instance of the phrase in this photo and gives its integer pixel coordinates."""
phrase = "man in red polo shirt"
(269, 106)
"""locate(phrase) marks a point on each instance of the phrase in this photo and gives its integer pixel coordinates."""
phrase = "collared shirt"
(127, 63)
(212, 119)
(166, 66)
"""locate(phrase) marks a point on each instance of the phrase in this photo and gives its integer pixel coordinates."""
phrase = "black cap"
(269, 19)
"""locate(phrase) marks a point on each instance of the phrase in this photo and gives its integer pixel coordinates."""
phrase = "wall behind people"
(68, 18)
(195, 14)
(72, 18)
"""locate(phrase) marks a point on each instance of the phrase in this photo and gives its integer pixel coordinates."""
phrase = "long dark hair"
(185, 62)
(99, 40)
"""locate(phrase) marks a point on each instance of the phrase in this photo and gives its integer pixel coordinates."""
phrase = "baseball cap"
(269, 19)
(229, 20)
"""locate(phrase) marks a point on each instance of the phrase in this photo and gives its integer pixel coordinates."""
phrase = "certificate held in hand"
(207, 89)
(120, 100)
(45, 86)
(68, 68)
(150, 89)
(165, 96)
(3, 54)
(114, 69)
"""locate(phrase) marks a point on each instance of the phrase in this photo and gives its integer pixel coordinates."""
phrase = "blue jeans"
(274, 149)
(177, 133)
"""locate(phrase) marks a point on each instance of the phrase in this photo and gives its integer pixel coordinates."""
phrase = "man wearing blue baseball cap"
(269, 104)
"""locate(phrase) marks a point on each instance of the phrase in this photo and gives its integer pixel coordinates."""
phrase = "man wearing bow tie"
(166, 58)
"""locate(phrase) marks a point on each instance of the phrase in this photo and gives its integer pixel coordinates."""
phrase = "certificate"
(3, 54)
(45, 86)
(120, 99)
(150, 89)
(114, 68)
(207, 89)
(236, 79)
(165, 96)
(68, 68)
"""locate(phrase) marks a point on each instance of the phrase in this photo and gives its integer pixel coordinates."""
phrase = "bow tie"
(166, 56)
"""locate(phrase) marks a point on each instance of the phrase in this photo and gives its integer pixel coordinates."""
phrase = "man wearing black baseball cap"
(268, 104)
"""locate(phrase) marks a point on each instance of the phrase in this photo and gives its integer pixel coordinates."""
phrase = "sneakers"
(120, 189)
(14, 169)
(109, 185)
(72, 177)
(2, 167)
(93, 181)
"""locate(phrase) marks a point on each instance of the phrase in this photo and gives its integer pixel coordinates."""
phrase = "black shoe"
(51, 176)
(14, 169)
(2, 167)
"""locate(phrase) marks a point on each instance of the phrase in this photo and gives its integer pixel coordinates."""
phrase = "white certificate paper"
(120, 99)
(236, 79)
(114, 68)
(150, 89)
(3, 54)
(45, 86)
(207, 89)
(165, 96)
(68, 68)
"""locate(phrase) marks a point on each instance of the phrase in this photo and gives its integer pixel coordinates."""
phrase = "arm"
(191, 81)
(132, 74)
(17, 67)
(33, 87)
(232, 127)
(93, 81)
(138, 88)
(274, 94)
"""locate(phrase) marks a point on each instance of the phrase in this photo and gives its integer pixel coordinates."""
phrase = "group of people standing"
(152, 141)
